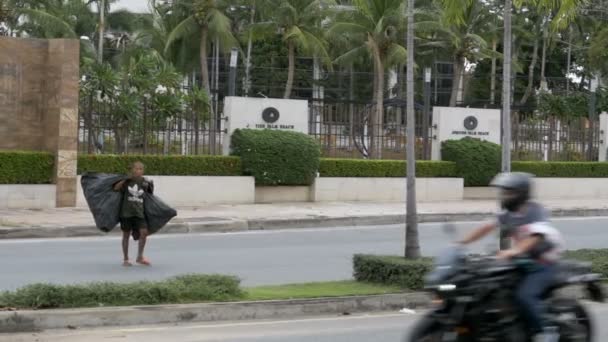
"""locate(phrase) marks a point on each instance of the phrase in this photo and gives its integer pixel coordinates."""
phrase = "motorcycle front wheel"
(573, 320)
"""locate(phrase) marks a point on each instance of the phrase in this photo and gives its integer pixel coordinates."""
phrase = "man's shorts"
(132, 224)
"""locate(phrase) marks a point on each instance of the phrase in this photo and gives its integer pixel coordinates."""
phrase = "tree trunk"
(543, 79)
(506, 99)
(531, 68)
(248, 61)
(412, 245)
(291, 71)
(351, 108)
(145, 126)
(456, 80)
(493, 76)
(378, 116)
(569, 63)
(203, 57)
(102, 24)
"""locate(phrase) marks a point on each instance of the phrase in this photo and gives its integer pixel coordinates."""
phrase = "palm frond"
(49, 22)
(187, 27)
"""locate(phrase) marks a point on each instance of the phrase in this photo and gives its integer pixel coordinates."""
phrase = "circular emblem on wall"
(270, 115)
(470, 123)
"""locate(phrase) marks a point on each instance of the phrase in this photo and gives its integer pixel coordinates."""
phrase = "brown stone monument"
(39, 104)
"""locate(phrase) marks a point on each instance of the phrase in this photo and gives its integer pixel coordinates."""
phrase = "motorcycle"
(474, 300)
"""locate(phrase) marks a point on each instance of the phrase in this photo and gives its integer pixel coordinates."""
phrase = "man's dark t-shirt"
(133, 200)
(510, 222)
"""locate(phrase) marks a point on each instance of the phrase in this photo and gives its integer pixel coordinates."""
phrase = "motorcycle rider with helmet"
(526, 223)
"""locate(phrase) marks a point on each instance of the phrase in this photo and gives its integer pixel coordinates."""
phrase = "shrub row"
(409, 274)
(277, 157)
(383, 168)
(289, 158)
(18, 167)
(163, 165)
(563, 169)
(182, 289)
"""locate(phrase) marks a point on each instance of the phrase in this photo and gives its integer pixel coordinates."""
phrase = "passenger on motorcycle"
(526, 223)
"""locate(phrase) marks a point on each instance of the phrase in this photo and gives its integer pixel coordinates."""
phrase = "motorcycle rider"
(526, 223)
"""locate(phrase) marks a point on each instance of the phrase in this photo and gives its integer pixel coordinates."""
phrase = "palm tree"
(412, 245)
(373, 28)
(461, 39)
(207, 21)
(299, 22)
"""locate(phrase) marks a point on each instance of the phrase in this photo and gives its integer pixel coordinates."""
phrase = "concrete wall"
(27, 196)
(570, 188)
(386, 189)
(183, 191)
(552, 189)
(281, 194)
(39, 104)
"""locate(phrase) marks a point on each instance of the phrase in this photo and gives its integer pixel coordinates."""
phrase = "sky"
(138, 6)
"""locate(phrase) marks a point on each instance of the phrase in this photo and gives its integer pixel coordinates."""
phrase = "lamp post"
(593, 85)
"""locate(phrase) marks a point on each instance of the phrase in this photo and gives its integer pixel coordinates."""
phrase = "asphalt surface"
(259, 258)
(388, 327)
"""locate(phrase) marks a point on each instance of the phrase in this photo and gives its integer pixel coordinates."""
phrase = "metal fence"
(348, 130)
(552, 139)
(344, 129)
(102, 129)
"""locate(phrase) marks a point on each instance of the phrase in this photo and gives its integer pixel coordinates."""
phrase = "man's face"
(138, 170)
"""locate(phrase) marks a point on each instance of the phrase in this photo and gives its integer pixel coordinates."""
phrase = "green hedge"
(20, 167)
(598, 258)
(182, 289)
(383, 168)
(409, 274)
(563, 169)
(391, 270)
(476, 161)
(277, 157)
(163, 165)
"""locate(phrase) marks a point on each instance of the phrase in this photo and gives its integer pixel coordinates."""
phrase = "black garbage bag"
(105, 203)
(157, 212)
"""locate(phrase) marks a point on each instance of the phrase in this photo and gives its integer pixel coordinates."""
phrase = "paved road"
(389, 327)
(274, 257)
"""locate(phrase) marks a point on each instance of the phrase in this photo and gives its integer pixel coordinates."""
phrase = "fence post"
(603, 146)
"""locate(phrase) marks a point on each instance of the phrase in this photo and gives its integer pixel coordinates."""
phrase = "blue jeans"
(529, 292)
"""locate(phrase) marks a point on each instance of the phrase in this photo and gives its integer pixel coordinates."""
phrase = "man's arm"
(479, 233)
(522, 247)
(118, 186)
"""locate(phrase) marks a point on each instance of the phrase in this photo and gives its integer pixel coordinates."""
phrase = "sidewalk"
(72, 222)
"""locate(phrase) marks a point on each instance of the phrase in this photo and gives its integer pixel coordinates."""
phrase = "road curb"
(233, 225)
(34, 321)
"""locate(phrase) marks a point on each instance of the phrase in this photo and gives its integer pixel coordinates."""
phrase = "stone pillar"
(603, 148)
(61, 116)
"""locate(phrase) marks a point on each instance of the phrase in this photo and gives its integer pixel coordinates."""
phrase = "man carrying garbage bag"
(130, 201)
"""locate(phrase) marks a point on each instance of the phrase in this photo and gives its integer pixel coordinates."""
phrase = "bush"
(476, 161)
(277, 157)
(391, 270)
(383, 168)
(163, 165)
(597, 257)
(182, 289)
(409, 274)
(19, 167)
(563, 169)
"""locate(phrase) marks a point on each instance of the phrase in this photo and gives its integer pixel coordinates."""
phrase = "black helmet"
(516, 188)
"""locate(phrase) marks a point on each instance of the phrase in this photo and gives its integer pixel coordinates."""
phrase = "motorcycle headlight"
(446, 287)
